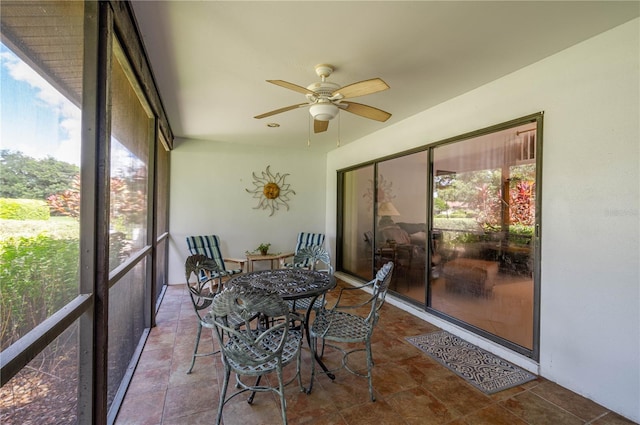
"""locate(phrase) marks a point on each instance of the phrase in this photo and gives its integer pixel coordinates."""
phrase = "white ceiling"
(211, 58)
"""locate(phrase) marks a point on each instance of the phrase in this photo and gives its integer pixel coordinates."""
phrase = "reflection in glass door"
(484, 217)
(355, 249)
(401, 230)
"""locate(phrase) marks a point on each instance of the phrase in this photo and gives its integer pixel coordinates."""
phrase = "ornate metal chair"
(259, 347)
(202, 292)
(313, 256)
(305, 240)
(338, 325)
(206, 285)
(210, 246)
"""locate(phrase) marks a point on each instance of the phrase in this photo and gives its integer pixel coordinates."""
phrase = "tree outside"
(23, 177)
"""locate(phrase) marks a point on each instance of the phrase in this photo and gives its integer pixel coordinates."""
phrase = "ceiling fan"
(325, 99)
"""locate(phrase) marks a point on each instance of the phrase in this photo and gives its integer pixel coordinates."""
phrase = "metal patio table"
(291, 285)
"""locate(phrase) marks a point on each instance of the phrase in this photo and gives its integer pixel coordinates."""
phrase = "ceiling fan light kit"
(323, 111)
(325, 99)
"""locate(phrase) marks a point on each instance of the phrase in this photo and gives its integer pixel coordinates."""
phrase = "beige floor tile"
(410, 387)
(535, 410)
(579, 406)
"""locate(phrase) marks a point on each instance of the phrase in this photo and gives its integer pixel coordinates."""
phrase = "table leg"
(253, 393)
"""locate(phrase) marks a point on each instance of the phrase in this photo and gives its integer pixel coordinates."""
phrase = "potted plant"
(263, 248)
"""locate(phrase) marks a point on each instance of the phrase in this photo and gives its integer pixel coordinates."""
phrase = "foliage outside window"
(39, 236)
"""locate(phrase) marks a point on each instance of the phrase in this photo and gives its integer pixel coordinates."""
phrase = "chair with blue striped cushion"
(210, 246)
(305, 240)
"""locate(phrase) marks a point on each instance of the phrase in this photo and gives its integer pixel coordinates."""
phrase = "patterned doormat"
(485, 371)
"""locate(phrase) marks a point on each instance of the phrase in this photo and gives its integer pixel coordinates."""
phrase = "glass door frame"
(537, 119)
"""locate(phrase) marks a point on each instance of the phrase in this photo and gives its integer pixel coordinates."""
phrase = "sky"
(35, 118)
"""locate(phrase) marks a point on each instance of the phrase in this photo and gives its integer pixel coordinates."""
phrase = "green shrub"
(23, 209)
(56, 227)
(464, 224)
(520, 234)
(458, 214)
(38, 276)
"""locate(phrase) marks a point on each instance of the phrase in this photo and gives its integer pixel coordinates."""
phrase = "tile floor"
(410, 387)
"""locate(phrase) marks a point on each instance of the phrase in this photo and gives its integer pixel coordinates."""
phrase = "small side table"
(271, 257)
(239, 261)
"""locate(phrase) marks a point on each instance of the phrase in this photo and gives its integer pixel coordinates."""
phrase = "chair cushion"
(209, 245)
(395, 233)
(206, 245)
(309, 239)
(418, 238)
(304, 240)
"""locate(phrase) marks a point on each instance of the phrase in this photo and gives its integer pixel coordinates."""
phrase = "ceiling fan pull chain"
(309, 130)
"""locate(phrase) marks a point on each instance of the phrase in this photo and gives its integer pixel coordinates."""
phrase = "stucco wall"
(208, 196)
(590, 282)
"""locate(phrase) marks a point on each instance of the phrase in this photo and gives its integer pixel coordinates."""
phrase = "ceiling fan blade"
(291, 86)
(366, 111)
(360, 88)
(320, 126)
(278, 111)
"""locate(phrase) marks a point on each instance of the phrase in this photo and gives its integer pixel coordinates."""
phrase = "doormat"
(485, 371)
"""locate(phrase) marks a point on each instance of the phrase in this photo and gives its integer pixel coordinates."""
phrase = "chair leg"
(369, 370)
(322, 351)
(283, 403)
(299, 370)
(313, 345)
(195, 350)
(223, 393)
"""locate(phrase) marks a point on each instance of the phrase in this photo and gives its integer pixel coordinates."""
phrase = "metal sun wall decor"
(271, 190)
(385, 192)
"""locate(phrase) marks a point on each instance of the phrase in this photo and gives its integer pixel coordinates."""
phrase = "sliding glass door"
(384, 219)
(459, 220)
(484, 215)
